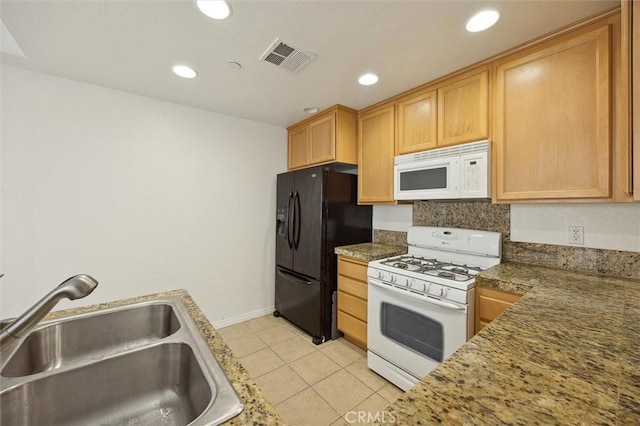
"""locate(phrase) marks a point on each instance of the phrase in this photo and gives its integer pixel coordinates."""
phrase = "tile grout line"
(347, 371)
(316, 348)
(311, 386)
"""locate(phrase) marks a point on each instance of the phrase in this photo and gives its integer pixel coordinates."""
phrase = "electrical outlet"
(576, 235)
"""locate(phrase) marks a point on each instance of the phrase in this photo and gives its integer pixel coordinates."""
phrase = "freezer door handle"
(289, 225)
(296, 219)
(295, 277)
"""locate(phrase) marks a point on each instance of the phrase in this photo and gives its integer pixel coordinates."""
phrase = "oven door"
(413, 332)
(428, 179)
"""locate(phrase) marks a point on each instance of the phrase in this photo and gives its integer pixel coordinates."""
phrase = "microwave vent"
(288, 57)
(468, 148)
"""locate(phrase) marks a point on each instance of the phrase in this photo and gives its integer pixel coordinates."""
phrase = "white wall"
(606, 226)
(142, 194)
(393, 218)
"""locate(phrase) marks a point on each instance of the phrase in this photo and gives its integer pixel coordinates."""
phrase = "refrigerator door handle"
(295, 277)
(296, 199)
(294, 220)
(289, 224)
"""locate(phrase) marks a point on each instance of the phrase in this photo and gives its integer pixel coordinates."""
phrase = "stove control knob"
(407, 282)
(380, 275)
(393, 279)
(444, 292)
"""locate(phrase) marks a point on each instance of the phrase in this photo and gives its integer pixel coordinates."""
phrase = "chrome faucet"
(73, 288)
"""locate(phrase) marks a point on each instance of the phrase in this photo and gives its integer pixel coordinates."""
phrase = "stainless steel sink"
(139, 364)
(90, 337)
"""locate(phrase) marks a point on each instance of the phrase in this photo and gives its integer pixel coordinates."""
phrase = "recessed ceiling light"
(482, 20)
(310, 110)
(216, 9)
(184, 71)
(368, 79)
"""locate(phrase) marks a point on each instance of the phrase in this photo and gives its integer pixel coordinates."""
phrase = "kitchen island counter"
(257, 410)
(566, 353)
(370, 251)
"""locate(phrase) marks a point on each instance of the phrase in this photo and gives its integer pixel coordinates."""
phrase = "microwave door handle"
(289, 225)
(409, 294)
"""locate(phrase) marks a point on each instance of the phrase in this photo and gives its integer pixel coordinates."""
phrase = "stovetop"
(432, 267)
(439, 260)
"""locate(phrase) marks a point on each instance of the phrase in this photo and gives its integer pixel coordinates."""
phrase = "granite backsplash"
(394, 238)
(496, 217)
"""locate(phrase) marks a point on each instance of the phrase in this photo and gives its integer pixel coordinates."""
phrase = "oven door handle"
(407, 293)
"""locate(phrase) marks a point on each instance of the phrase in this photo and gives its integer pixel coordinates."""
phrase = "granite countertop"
(370, 251)
(257, 410)
(566, 353)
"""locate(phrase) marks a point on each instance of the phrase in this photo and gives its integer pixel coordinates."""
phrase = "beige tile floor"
(308, 384)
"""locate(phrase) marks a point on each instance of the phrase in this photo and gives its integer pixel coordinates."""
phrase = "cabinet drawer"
(352, 268)
(352, 327)
(353, 287)
(352, 305)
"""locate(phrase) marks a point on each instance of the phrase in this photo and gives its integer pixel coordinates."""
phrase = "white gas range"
(421, 305)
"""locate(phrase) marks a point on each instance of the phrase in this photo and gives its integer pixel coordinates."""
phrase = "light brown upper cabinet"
(417, 122)
(557, 133)
(330, 136)
(376, 135)
(322, 139)
(449, 112)
(463, 110)
(298, 147)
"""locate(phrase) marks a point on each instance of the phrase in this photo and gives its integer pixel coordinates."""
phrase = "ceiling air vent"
(287, 57)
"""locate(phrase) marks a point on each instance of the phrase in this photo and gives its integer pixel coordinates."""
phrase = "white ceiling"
(132, 45)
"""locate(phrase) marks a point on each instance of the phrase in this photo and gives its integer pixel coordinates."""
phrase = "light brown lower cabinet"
(634, 8)
(352, 300)
(490, 303)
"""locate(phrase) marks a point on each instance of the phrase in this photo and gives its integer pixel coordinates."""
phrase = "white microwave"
(461, 171)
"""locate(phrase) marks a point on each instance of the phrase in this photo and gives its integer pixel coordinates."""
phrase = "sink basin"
(92, 337)
(141, 364)
(158, 385)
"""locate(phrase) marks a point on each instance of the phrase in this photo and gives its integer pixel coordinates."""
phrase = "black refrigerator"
(316, 211)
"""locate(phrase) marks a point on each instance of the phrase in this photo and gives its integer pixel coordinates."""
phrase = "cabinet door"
(490, 303)
(375, 155)
(298, 148)
(463, 110)
(322, 140)
(416, 123)
(553, 119)
(635, 73)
